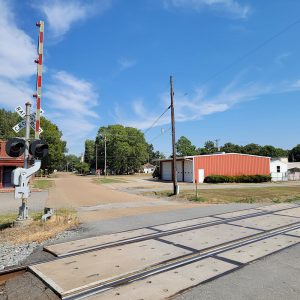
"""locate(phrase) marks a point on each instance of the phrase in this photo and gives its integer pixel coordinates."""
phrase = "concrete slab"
(209, 236)
(164, 285)
(294, 232)
(73, 273)
(293, 212)
(238, 213)
(64, 248)
(259, 249)
(266, 222)
(277, 206)
(182, 224)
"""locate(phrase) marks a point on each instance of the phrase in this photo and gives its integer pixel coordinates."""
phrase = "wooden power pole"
(174, 167)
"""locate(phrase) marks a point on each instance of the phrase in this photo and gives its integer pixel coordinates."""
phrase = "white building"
(279, 169)
(148, 168)
(294, 170)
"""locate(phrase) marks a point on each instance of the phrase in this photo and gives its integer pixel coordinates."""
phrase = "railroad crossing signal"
(21, 112)
(38, 149)
(15, 147)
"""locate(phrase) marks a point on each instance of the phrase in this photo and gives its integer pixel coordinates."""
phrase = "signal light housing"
(15, 147)
(38, 149)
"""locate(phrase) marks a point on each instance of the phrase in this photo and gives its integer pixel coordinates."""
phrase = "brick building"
(7, 164)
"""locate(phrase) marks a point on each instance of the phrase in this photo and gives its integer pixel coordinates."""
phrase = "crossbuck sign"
(21, 112)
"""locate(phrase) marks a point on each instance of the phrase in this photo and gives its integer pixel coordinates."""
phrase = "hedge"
(239, 179)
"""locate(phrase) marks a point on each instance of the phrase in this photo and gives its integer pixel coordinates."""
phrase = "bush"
(238, 179)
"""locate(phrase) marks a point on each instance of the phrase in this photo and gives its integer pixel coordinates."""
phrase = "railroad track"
(164, 266)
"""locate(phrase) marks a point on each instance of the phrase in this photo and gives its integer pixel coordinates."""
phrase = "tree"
(271, 151)
(231, 148)
(253, 149)
(82, 168)
(89, 152)
(57, 147)
(294, 154)
(9, 119)
(185, 147)
(71, 161)
(154, 154)
(126, 151)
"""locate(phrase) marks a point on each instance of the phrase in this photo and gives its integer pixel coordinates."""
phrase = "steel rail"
(176, 263)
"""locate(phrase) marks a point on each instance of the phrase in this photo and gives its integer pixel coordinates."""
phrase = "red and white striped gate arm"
(39, 62)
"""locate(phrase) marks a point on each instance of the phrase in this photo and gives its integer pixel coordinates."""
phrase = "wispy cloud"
(73, 102)
(17, 53)
(201, 103)
(233, 8)
(281, 58)
(61, 15)
(126, 63)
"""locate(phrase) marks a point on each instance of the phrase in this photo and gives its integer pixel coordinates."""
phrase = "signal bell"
(38, 149)
(15, 147)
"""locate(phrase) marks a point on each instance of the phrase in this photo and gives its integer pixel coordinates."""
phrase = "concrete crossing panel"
(293, 212)
(238, 213)
(67, 247)
(72, 273)
(182, 224)
(277, 206)
(209, 236)
(259, 249)
(164, 285)
(266, 222)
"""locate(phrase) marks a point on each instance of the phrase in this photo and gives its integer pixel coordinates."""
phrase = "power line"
(160, 134)
(145, 131)
(253, 50)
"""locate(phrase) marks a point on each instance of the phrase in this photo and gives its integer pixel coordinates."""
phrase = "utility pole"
(217, 144)
(96, 158)
(105, 155)
(174, 167)
(23, 209)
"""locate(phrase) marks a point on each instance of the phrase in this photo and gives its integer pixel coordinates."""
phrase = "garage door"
(179, 170)
(188, 171)
(166, 170)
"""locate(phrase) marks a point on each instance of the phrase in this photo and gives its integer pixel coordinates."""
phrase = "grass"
(37, 231)
(108, 180)
(238, 195)
(42, 184)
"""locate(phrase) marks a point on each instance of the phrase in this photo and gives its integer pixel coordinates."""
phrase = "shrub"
(156, 173)
(239, 179)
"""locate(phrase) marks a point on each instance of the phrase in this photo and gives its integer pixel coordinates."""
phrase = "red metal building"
(191, 168)
(7, 164)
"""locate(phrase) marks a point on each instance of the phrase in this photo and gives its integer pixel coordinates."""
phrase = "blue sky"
(109, 61)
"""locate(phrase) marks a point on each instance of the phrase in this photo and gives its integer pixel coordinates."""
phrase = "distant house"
(279, 169)
(294, 170)
(7, 165)
(148, 168)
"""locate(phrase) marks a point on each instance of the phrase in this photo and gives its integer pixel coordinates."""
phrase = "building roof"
(148, 165)
(206, 155)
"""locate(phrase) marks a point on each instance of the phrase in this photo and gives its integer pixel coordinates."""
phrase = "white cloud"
(200, 103)
(61, 15)
(126, 63)
(72, 102)
(230, 7)
(17, 54)
(281, 58)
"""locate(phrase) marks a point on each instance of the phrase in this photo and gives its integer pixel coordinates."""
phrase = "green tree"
(82, 168)
(126, 151)
(71, 161)
(9, 119)
(294, 154)
(253, 149)
(271, 151)
(57, 147)
(231, 148)
(154, 155)
(185, 147)
(89, 152)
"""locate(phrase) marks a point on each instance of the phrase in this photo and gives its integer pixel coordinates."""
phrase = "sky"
(235, 66)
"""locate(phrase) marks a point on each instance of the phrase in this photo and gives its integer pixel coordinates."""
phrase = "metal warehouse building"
(191, 168)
